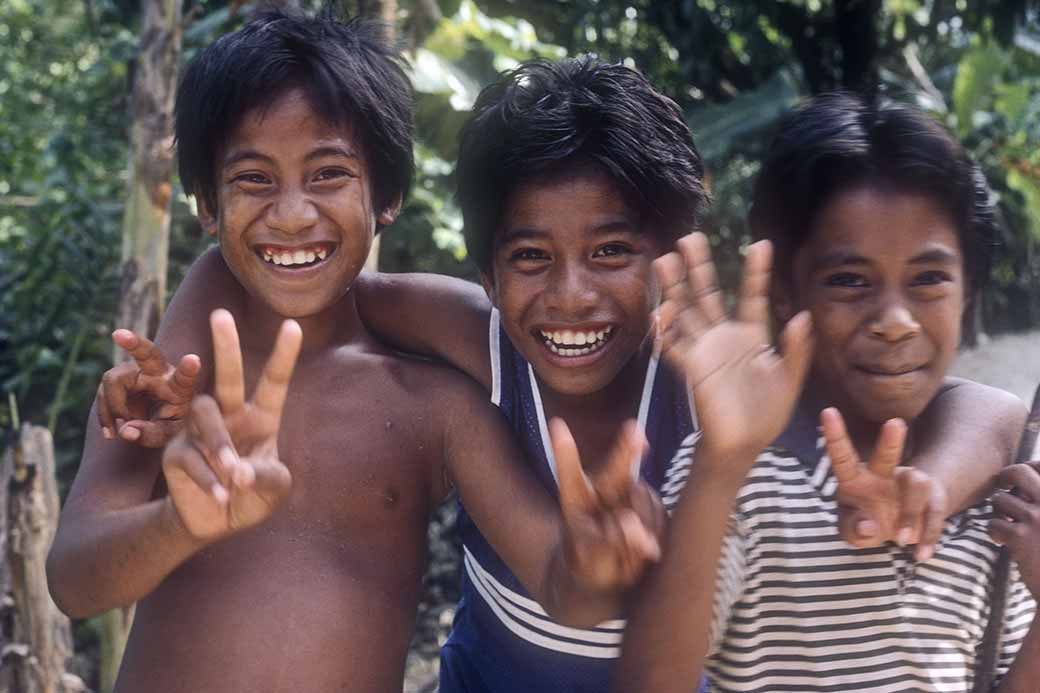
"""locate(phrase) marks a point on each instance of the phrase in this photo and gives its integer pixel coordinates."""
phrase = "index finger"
(148, 357)
(889, 451)
(228, 383)
(844, 458)
(576, 494)
(753, 305)
(273, 387)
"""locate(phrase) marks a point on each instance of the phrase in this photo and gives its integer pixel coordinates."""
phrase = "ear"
(207, 219)
(390, 212)
(488, 282)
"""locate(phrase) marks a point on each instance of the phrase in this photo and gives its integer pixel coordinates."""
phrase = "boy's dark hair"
(835, 142)
(546, 118)
(351, 74)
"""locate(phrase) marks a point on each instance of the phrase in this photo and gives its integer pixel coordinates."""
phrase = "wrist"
(173, 526)
(725, 466)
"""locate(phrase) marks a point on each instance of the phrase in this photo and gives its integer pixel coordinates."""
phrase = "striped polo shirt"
(798, 609)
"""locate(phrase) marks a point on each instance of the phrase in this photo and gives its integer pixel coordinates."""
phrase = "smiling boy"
(881, 226)
(277, 543)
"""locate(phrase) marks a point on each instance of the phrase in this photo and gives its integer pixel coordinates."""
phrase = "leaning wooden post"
(35, 637)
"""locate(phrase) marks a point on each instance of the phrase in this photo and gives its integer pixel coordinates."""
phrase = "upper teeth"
(295, 257)
(568, 337)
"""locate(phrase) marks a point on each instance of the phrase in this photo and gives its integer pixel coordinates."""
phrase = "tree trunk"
(386, 12)
(146, 222)
(35, 641)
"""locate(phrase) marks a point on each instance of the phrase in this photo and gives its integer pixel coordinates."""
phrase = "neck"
(862, 432)
(337, 324)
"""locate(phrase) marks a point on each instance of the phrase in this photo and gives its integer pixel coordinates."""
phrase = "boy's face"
(883, 276)
(295, 213)
(573, 280)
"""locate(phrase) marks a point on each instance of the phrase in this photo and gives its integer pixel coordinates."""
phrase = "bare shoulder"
(991, 401)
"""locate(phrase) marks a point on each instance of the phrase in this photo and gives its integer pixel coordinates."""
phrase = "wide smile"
(889, 371)
(295, 258)
(574, 343)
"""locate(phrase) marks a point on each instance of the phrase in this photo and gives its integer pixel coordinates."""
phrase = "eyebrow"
(521, 233)
(318, 153)
(841, 258)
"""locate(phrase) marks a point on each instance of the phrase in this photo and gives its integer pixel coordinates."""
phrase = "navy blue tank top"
(502, 641)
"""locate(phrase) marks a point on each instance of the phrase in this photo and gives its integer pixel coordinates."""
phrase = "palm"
(242, 478)
(743, 390)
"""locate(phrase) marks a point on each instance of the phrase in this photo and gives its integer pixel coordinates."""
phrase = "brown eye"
(530, 254)
(612, 250)
(846, 280)
(931, 278)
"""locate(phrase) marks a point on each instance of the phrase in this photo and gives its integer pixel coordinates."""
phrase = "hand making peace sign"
(612, 520)
(145, 401)
(222, 470)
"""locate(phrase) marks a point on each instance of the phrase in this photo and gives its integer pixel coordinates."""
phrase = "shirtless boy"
(277, 543)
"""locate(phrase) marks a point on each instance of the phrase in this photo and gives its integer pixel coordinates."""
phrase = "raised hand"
(882, 501)
(612, 521)
(145, 400)
(222, 471)
(744, 390)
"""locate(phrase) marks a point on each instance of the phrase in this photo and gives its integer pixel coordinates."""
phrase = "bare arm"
(966, 436)
(430, 315)
(116, 541)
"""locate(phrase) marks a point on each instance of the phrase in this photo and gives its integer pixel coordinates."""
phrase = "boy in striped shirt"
(880, 224)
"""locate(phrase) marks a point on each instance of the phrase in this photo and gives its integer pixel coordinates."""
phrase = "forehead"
(290, 124)
(581, 201)
(882, 226)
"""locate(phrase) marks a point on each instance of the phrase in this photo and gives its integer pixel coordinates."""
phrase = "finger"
(183, 457)
(270, 479)
(857, 528)
(1013, 508)
(1024, 478)
(104, 416)
(148, 357)
(844, 458)
(182, 382)
(934, 521)
(150, 434)
(915, 490)
(576, 494)
(796, 347)
(753, 305)
(703, 279)
(273, 387)
(670, 269)
(1004, 532)
(614, 483)
(228, 382)
(640, 541)
(116, 384)
(889, 450)
(210, 435)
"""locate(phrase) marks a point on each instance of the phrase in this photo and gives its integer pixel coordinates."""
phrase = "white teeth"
(590, 337)
(286, 258)
(567, 337)
(579, 338)
(601, 334)
(310, 256)
(322, 253)
(300, 257)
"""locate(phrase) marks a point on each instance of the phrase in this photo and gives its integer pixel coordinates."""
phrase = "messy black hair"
(351, 75)
(835, 142)
(550, 118)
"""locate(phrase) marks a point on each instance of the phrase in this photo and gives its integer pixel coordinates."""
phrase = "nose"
(572, 290)
(292, 211)
(894, 320)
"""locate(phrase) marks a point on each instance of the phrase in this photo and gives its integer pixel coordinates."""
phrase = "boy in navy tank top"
(573, 178)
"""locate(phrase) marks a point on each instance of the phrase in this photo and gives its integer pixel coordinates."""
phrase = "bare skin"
(277, 541)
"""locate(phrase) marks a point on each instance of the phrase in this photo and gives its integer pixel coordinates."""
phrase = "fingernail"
(867, 528)
(903, 536)
(925, 552)
(107, 432)
(130, 434)
(220, 493)
(227, 457)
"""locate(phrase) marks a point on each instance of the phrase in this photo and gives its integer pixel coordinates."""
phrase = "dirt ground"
(1010, 362)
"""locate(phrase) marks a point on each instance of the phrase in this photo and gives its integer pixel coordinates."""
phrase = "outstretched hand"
(612, 520)
(882, 501)
(222, 471)
(744, 390)
(145, 400)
